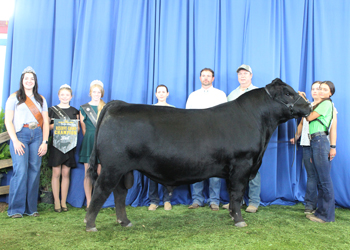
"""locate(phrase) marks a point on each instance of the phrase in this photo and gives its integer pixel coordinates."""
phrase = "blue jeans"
(153, 193)
(24, 184)
(214, 192)
(319, 154)
(254, 191)
(311, 183)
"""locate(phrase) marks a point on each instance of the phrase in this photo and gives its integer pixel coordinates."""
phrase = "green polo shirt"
(325, 110)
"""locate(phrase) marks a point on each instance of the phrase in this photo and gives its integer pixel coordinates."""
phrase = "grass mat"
(272, 227)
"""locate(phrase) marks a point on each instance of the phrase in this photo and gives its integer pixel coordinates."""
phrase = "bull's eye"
(287, 94)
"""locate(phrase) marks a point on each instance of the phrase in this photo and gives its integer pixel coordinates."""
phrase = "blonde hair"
(102, 103)
(66, 88)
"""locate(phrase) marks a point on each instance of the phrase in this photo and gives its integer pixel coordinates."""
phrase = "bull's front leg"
(236, 187)
(235, 210)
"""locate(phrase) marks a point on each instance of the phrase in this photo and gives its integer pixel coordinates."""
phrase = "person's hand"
(42, 149)
(332, 153)
(292, 141)
(303, 95)
(19, 147)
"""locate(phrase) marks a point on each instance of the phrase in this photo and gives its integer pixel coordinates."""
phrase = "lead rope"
(295, 143)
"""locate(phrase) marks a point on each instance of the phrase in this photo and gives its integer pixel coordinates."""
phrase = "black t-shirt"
(71, 112)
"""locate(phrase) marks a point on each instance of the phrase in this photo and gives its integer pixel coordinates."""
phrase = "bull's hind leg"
(102, 190)
(120, 193)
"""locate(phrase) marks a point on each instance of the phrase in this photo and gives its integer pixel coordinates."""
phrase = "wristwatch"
(333, 146)
(46, 142)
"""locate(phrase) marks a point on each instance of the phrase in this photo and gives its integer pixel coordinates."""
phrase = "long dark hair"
(331, 88)
(162, 85)
(21, 94)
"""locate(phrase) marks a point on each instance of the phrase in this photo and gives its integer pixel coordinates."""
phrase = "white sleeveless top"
(304, 139)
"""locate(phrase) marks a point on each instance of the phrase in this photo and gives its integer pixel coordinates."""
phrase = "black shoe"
(64, 209)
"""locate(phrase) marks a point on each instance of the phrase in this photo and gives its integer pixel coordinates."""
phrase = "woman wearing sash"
(62, 162)
(88, 118)
(27, 123)
(162, 94)
(319, 122)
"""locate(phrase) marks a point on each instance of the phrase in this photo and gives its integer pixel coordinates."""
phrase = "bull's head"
(285, 94)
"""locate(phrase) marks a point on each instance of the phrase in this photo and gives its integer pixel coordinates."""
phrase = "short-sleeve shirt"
(324, 109)
(22, 114)
(205, 98)
(71, 113)
(238, 92)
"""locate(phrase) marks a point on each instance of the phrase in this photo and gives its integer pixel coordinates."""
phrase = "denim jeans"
(254, 191)
(311, 183)
(319, 154)
(214, 192)
(153, 193)
(24, 184)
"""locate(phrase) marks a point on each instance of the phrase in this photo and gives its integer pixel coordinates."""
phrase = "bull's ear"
(275, 87)
(277, 81)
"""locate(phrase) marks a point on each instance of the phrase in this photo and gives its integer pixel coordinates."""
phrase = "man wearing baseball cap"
(245, 75)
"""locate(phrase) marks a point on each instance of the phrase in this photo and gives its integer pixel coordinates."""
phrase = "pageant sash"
(90, 113)
(35, 111)
(60, 113)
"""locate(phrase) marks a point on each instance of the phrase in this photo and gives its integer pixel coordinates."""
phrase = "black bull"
(178, 146)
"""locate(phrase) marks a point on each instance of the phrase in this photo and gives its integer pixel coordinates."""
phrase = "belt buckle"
(32, 125)
(308, 135)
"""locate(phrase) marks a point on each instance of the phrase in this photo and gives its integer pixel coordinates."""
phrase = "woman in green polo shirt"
(320, 120)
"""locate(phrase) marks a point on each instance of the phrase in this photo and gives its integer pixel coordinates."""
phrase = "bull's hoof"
(241, 224)
(85, 221)
(93, 229)
(123, 224)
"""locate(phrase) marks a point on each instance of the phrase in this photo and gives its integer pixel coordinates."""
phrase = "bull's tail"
(92, 171)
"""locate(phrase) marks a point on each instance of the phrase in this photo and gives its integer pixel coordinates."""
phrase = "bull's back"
(172, 144)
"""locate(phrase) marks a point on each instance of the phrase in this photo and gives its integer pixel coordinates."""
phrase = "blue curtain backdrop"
(133, 46)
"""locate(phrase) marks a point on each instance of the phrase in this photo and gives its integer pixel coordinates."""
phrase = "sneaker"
(167, 205)
(309, 211)
(251, 209)
(214, 207)
(194, 206)
(226, 206)
(314, 218)
(152, 207)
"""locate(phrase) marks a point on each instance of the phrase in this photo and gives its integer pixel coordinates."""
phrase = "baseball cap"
(245, 67)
